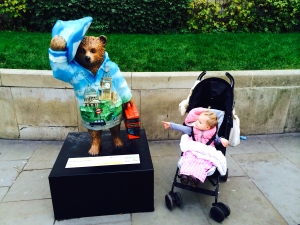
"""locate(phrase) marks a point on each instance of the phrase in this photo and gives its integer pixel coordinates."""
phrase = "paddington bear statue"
(99, 86)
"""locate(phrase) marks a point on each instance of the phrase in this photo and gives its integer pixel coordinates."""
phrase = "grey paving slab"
(288, 145)
(248, 205)
(253, 144)
(191, 213)
(16, 149)
(164, 148)
(234, 170)
(9, 170)
(3, 191)
(44, 156)
(278, 179)
(30, 185)
(124, 219)
(34, 212)
(262, 187)
(164, 171)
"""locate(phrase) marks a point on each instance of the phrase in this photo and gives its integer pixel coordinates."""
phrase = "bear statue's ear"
(103, 39)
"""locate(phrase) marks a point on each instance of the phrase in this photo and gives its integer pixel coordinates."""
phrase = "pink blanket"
(198, 158)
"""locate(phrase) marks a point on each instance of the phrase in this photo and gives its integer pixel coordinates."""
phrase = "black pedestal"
(102, 190)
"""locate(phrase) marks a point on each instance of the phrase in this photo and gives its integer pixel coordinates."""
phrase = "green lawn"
(174, 52)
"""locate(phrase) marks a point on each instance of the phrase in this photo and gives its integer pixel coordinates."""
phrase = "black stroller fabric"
(214, 93)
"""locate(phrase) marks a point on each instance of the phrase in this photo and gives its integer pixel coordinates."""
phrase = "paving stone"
(262, 187)
(164, 172)
(247, 204)
(288, 145)
(253, 144)
(3, 191)
(45, 155)
(124, 219)
(9, 170)
(278, 179)
(165, 168)
(30, 185)
(36, 212)
(165, 148)
(234, 170)
(16, 149)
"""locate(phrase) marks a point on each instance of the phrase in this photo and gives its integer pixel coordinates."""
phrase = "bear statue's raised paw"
(58, 43)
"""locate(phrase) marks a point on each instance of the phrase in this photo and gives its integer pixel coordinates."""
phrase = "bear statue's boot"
(116, 137)
(96, 141)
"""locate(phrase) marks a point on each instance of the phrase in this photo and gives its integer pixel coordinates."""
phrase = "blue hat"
(73, 31)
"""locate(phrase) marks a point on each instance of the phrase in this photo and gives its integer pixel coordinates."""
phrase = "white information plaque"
(103, 161)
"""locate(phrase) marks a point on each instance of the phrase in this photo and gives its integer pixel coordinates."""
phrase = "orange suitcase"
(132, 121)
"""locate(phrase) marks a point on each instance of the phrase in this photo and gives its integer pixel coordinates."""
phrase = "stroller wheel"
(178, 199)
(225, 208)
(225, 177)
(217, 214)
(169, 201)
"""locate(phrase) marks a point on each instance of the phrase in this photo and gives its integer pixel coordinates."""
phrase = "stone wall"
(36, 106)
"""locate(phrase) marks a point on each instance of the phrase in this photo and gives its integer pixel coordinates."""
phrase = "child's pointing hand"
(166, 124)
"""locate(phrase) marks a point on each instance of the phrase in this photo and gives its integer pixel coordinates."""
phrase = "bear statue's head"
(90, 53)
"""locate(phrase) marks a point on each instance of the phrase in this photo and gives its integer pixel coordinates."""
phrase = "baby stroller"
(211, 93)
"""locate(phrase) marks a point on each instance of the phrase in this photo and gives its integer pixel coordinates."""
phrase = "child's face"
(201, 123)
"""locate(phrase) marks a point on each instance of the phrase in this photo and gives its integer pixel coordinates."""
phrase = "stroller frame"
(219, 210)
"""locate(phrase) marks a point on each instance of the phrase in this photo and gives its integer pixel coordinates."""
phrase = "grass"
(174, 52)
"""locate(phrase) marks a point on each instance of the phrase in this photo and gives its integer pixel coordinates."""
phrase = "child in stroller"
(217, 95)
(201, 126)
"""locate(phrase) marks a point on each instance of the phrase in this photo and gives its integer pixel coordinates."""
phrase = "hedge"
(244, 16)
(155, 16)
(111, 16)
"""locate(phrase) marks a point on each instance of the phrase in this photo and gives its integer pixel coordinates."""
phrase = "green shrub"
(237, 15)
(114, 16)
(234, 15)
(203, 16)
(244, 16)
(11, 14)
(276, 15)
(155, 16)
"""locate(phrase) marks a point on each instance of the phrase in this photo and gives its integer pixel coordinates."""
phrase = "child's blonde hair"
(212, 118)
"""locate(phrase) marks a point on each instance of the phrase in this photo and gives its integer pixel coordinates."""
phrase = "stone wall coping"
(159, 80)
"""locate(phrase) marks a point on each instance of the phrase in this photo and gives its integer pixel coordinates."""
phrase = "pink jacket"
(200, 136)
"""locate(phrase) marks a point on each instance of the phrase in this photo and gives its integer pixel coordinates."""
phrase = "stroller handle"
(231, 79)
(227, 75)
